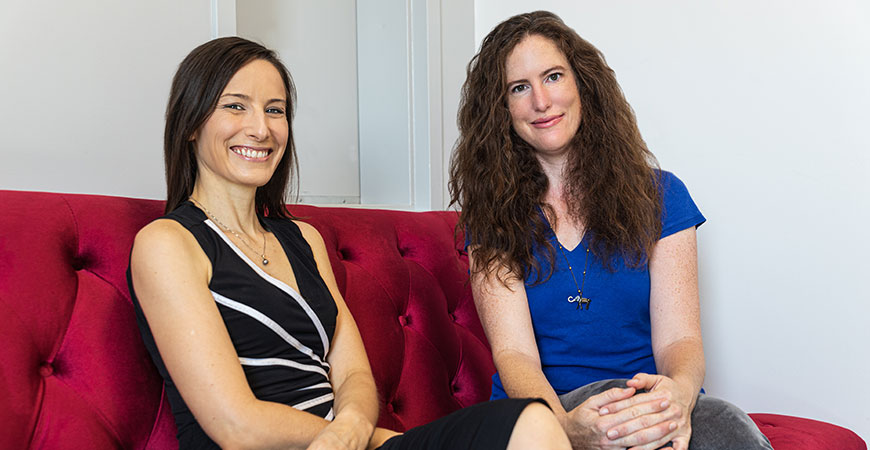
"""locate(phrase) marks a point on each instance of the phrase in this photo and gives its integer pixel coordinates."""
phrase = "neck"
(234, 206)
(554, 168)
(555, 194)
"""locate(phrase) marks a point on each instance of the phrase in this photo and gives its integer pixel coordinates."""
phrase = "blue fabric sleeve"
(678, 209)
(467, 238)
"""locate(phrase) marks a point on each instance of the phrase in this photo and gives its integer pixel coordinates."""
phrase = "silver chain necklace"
(234, 232)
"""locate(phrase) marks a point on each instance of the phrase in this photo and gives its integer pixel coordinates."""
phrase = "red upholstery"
(74, 373)
(787, 432)
(404, 278)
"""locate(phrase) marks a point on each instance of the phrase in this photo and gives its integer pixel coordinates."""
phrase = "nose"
(541, 98)
(257, 127)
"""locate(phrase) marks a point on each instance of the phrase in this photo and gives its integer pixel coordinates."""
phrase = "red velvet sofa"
(74, 373)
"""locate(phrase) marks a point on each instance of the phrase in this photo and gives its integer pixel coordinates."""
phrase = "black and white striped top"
(281, 336)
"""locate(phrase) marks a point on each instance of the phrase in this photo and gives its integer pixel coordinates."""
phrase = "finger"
(643, 381)
(650, 438)
(681, 443)
(608, 396)
(658, 396)
(645, 420)
(660, 444)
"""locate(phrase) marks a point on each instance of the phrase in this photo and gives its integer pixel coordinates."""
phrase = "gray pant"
(716, 424)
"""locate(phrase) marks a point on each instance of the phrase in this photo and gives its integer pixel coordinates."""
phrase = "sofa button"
(45, 369)
(452, 317)
(404, 320)
(390, 408)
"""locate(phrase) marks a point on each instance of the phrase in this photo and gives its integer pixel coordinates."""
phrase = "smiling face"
(244, 138)
(543, 99)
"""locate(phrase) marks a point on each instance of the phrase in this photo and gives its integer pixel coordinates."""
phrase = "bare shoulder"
(163, 238)
(321, 257)
(312, 236)
(164, 252)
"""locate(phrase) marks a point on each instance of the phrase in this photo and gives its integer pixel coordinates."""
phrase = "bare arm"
(504, 313)
(676, 337)
(171, 275)
(675, 311)
(676, 325)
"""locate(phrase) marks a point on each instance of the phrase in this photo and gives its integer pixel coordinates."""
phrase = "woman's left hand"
(346, 432)
(681, 397)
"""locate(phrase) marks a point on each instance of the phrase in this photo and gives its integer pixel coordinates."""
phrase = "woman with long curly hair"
(583, 253)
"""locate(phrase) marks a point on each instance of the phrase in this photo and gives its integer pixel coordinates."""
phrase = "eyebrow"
(247, 97)
(556, 67)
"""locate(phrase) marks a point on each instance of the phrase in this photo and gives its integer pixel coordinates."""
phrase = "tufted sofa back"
(74, 372)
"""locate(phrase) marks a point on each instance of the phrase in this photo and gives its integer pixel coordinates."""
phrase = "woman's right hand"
(588, 425)
(346, 432)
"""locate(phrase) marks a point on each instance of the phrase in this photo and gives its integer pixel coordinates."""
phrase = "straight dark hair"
(196, 88)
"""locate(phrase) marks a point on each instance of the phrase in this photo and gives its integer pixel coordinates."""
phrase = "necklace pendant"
(581, 301)
(265, 261)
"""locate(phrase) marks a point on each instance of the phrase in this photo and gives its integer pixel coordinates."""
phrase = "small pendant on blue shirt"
(582, 302)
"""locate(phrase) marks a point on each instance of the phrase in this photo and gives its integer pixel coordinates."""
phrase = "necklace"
(234, 232)
(580, 300)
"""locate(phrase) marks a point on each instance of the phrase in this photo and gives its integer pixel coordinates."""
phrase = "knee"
(537, 427)
(574, 398)
(716, 420)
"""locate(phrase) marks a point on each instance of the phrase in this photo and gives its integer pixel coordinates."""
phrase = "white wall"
(85, 87)
(457, 48)
(324, 69)
(761, 108)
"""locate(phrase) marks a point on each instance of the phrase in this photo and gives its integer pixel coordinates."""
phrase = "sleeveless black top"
(281, 336)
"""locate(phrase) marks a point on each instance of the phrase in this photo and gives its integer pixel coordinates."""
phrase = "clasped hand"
(652, 411)
(346, 432)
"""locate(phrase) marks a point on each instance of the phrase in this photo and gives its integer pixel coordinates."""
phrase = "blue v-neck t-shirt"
(612, 337)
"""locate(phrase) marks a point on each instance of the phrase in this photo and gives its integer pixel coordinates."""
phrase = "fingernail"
(665, 404)
(603, 411)
(672, 426)
(612, 434)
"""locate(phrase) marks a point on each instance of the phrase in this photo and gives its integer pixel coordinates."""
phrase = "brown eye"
(519, 88)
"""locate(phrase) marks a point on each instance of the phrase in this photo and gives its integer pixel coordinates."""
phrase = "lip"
(547, 122)
(250, 153)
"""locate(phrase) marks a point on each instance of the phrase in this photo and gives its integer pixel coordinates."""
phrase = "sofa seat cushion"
(796, 433)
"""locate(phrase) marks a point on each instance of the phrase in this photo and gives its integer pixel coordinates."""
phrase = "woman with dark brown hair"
(236, 300)
(583, 252)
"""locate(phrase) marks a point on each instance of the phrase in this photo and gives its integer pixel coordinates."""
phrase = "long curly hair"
(193, 96)
(495, 179)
